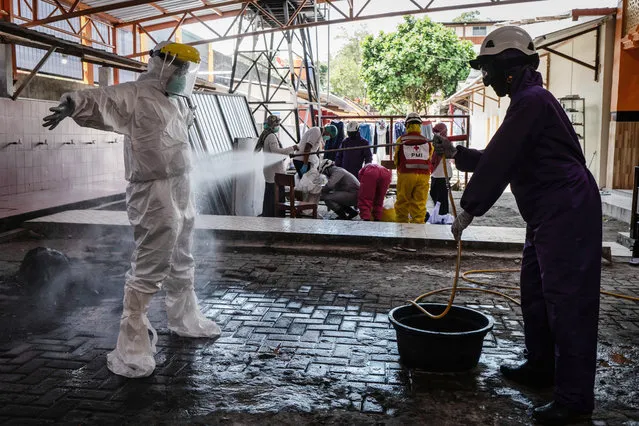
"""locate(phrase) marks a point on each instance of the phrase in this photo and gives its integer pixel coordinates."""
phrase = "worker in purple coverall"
(537, 152)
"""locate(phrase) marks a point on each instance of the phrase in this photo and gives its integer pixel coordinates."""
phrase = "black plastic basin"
(450, 344)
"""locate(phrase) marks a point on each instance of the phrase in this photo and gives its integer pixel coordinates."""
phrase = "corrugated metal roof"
(545, 32)
(157, 8)
(148, 10)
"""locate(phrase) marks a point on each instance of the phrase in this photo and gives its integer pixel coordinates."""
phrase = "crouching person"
(340, 193)
(374, 181)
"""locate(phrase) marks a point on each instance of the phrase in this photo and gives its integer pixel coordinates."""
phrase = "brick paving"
(306, 338)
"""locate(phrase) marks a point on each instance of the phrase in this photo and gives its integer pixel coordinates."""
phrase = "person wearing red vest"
(415, 162)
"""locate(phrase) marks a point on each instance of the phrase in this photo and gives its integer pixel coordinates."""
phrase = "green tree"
(472, 16)
(346, 67)
(323, 75)
(408, 67)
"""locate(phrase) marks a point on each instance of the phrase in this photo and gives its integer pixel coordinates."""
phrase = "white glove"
(461, 222)
(444, 147)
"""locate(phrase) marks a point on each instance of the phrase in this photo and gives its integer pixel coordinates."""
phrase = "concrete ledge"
(617, 205)
(88, 223)
(12, 222)
(624, 239)
(96, 222)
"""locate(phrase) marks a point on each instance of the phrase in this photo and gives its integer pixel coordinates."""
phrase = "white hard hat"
(325, 165)
(352, 126)
(504, 38)
(413, 117)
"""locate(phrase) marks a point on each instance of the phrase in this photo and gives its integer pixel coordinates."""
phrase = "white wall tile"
(28, 158)
(21, 176)
(12, 176)
(29, 167)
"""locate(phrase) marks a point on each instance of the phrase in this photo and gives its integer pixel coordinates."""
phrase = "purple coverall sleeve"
(339, 157)
(467, 159)
(505, 153)
(368, 155)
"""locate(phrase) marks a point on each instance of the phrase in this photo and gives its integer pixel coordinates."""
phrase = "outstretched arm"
(109, 108)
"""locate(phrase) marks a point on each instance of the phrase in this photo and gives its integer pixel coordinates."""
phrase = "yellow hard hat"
(182, 52)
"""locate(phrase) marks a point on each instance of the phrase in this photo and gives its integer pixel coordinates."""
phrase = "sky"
(329, 40)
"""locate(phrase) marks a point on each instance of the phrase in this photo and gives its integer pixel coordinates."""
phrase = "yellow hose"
(454, 289)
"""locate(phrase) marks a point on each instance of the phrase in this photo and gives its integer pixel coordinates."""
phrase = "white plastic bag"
(311, 182)
(389, 203)
(437, 219)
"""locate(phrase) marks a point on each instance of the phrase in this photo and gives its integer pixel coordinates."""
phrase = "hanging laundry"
(381, 133)
(366, 131)
(400, 129)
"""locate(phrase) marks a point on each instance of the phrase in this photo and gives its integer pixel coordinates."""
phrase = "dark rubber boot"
(530, 375)
(557, 414)
(341, 215)
(350, 213)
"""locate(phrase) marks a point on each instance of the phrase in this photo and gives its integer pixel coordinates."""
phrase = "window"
(479, 31)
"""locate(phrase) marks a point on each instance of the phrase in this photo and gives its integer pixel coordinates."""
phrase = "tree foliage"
(408, 67)
(346, 67)
(472, 16)
(323, 74)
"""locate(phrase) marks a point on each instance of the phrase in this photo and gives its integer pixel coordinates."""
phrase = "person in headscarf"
(270, 143)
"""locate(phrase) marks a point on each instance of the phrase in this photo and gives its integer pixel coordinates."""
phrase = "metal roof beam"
(81, 6)
(195, 19)
(12, 33)
(181, 12)
(362, 18)
(89, 11)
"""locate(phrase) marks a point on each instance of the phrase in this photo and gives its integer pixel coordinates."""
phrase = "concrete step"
(625, 240)
(95, 222)
(13, 234)
(617, 204)
(616, 249)
(15, 220)
(338, 232)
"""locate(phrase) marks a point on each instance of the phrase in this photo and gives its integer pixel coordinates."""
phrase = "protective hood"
(158, 70)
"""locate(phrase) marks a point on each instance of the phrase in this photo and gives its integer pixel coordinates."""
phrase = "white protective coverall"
(159, 206)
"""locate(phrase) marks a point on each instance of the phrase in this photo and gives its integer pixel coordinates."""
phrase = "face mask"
(326, 138)
(176, 85)
(352, 135)
(494, 75)
(276, 129)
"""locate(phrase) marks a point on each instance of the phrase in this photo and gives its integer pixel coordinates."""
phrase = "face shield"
(182, 81)
(180, 73)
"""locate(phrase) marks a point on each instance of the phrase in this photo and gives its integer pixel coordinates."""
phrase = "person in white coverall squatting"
(158, 197)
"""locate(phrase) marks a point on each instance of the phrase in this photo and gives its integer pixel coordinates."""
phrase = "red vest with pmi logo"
(414, 155)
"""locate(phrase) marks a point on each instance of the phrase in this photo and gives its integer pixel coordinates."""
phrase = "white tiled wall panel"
(30, 167)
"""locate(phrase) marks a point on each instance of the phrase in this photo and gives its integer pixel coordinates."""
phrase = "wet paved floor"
(305, 339)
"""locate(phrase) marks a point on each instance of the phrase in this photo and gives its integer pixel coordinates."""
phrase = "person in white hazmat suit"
(158, 196)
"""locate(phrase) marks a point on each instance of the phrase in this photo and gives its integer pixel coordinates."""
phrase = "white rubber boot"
(185, 318)
(133, 354)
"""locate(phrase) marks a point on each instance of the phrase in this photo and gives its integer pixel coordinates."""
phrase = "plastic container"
(450, 344)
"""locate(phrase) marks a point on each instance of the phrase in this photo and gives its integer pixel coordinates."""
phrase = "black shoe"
(341, 214)
(350, 213)
(529, 375)
(557, 414)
